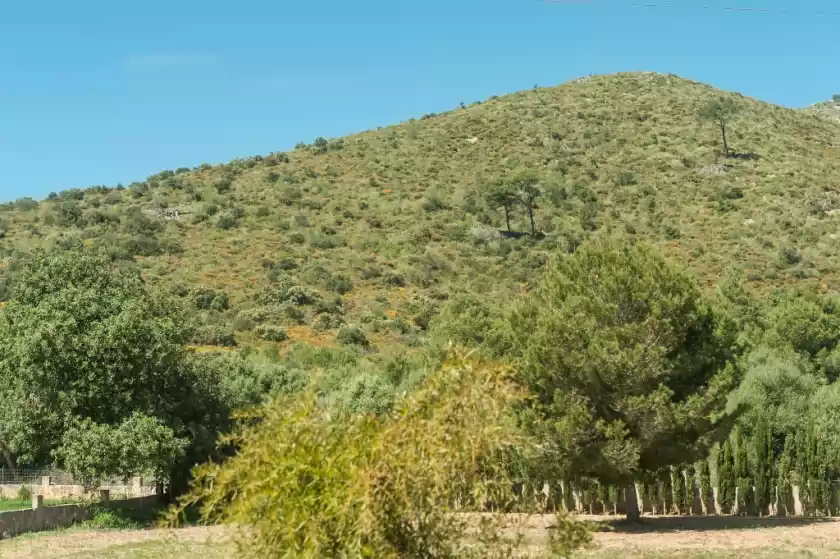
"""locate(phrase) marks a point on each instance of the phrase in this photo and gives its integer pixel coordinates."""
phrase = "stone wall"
(46, 518)
(54, 492)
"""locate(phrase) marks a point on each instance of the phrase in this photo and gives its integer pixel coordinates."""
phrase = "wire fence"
(22, 476)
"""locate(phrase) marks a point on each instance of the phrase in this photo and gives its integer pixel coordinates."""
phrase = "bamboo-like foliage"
(306, 485)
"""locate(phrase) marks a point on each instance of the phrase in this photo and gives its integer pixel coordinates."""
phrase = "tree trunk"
(723, 133)
(507, 218)
(11, 461)
(632, 503)
(531, 218)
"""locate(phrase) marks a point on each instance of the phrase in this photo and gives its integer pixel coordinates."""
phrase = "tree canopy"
(628, 366)
(85, 342)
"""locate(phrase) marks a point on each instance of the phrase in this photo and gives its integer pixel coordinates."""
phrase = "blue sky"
(101, 92)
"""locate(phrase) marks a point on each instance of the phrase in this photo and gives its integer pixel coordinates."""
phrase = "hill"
(379, 228)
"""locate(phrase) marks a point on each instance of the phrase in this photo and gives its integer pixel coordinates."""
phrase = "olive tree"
(629, 368)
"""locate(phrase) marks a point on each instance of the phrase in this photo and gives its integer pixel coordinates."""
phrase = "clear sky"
(104, 91)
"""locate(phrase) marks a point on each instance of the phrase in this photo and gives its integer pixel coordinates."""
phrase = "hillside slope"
(386, 224)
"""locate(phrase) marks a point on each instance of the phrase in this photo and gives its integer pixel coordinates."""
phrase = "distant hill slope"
(393, 220)
(830, 109)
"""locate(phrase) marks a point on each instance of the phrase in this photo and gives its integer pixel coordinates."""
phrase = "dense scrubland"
(582, 285)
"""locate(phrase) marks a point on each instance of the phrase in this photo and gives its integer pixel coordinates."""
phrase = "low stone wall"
(53, 492)
(39, 517)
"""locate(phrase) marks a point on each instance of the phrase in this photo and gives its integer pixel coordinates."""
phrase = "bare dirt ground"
(205, 542)
(686, 538)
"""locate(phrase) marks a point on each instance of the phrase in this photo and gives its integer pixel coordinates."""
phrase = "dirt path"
(655, 537)
(84, 543)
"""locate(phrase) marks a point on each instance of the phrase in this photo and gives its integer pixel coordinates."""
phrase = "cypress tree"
(612, 495)
(667, 491)
(601, 492)
(742, 473)
(802, 470)
(705, 484)
(650, 489)
(688, 493)
(726, 476)
(763, 465)
(677, 488)
(783, 476)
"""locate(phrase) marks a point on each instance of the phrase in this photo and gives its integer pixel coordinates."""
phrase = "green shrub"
(324, 322)
(226, 221)
(213, 334)
(340, 284)
(24, 494)
(352, 335)
(271, 333)
(362, 498)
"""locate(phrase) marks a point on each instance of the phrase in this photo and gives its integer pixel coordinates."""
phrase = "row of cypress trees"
(752, 474)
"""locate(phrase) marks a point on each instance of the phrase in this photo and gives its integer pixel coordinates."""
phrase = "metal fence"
(23, 476)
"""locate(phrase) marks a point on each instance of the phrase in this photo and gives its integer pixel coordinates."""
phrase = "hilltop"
(379, 228)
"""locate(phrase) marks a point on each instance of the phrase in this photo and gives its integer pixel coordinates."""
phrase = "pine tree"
(726, 476)
(706, 493)
(763, 465)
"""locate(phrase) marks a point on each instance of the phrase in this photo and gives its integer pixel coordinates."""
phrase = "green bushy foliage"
(271, 333)
(363, 499)
(352, 335)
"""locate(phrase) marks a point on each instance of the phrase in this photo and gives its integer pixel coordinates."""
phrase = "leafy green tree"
(141, 444)
(776, 386)
(628, 367)
(720, 111)
(84, 338)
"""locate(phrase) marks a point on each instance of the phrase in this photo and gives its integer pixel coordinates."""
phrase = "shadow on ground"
(706, 523)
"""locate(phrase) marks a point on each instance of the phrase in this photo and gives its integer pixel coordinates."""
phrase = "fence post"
(45, 481)
(137, 485)
(105, 495)
(37, 501)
